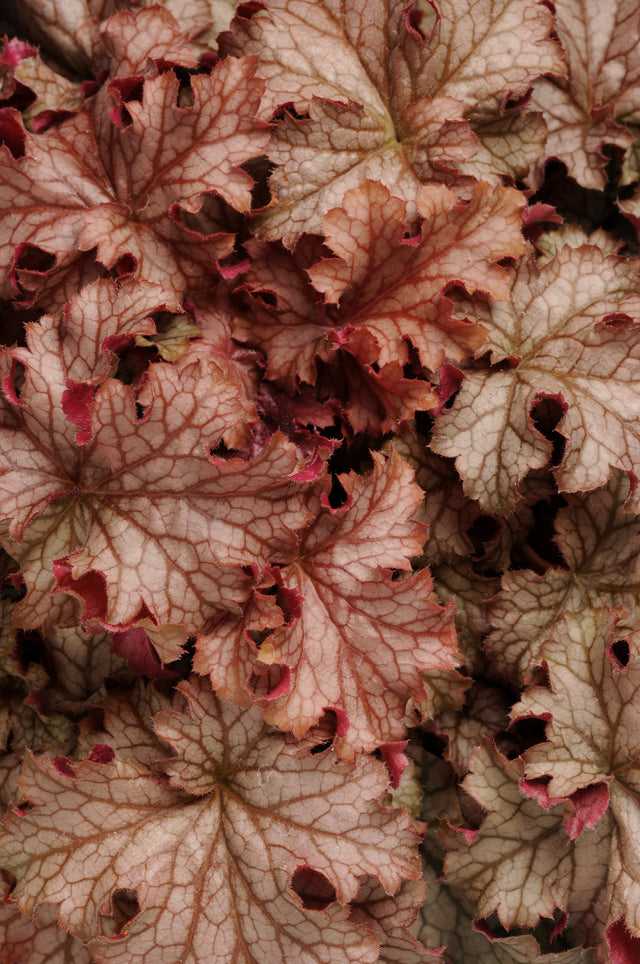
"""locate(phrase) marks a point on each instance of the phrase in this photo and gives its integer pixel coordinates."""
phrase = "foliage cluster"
(319, 503)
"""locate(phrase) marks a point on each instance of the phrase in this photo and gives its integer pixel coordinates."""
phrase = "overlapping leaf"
(600, 99)
(293, 333)
(361, 640)
(37, 941)
(521, 862)
(52, 92)
(57, 527)
(94, 182)
(389, 918)
(226, 651)
(393, 287)
(58, 28)
(24, 719)
(385, 101)
(509, 537)
(105, 41)
(446, 510)
(139, 514)
(24, 723)
(129, 728)
(447, 918)
(233, 780)
(131, 43)
(469, 591)
(598, 540)
(49, 188)
(81, 662)
(69, 353)
(566, 333)
(484, 714)
(377, 398)
(72, 33)
(298, 333)
(593, 737)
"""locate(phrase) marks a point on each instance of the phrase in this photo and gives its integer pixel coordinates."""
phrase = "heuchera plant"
(319, 505)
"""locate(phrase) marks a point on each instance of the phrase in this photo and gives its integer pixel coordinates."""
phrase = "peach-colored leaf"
(564, 335)
(587, 737)
(74, 348)
(294, 331)
(446, 510)
(445, 690)
(35, 438)
(128, 722)
(53, 92)
(308, 147)
(93, 181)
(520, 862)
(49, 188)
(601, 94)
(182, 842)
(130, 40)
(480, 57)
(389, 91)
(362, 639)
(35, 426)
(484, 56)
(156, 175)
(24, 940)
(511, 145)
(72, 32)
(227, 652)
(49, 534)
(393, 287)
(599, 542)
(193, 16)
(389, 918)
(380, 398)
(179, 521)
(173, 154)
(484, 713)
(447, 918)
(376, 526)
(172, 516)
(128, 43)
(298, 332)
(592, 734)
